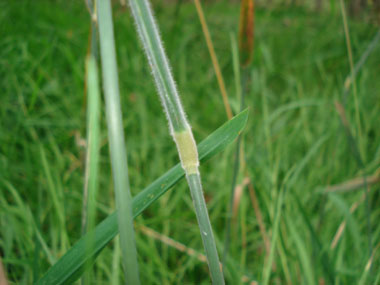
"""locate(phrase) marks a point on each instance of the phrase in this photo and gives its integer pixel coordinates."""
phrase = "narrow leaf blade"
(70, 266)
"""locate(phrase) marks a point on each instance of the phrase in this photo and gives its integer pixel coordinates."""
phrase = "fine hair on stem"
(179, 127)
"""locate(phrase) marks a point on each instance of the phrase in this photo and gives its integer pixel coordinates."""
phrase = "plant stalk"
(194, 181)
(179, 127)
(92, 155)
(93, 140)
(245, 52)
(116, 142)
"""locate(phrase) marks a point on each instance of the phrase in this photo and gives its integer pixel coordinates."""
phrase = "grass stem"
(93, 146)
(351, 61)
(179, 127)
(116, 142)
(245, 53)
(195, 186)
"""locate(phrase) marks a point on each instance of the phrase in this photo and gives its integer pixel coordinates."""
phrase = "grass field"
(295, 144)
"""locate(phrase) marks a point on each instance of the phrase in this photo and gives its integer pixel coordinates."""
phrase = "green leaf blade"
(70, 266)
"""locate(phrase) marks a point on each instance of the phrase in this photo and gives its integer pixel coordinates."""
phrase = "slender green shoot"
(287, 183)
(245, 53)
(93, 140)
(179, 127)
(93, 144)
(371, 46)
(236, 166)
(116, 142)
(351, 61)
(357, 156)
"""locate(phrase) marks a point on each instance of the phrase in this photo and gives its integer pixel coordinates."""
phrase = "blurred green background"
(295, 144)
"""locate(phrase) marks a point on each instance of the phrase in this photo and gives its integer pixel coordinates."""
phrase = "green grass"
(294, 143)
(179, 127)
(70, 266)
(118, 152)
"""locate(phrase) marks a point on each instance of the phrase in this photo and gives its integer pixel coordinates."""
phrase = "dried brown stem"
(3, 275)
(355, 184)
(214, 59)
(256, 208)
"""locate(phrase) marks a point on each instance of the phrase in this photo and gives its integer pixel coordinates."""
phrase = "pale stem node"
(187, 150)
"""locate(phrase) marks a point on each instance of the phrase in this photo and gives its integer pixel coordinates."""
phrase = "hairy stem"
(179, 127)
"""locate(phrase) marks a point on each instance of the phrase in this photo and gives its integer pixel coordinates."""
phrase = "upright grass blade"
(93, 144)
(246, 25)
(358, 157)
(179, 127)
(56, 194)
(307, 267)
(70, 266)
(93, 137)
(287, 183)
(327, 265)
(116, 142)
(92, 100)
(351, 61)
(371, 46)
